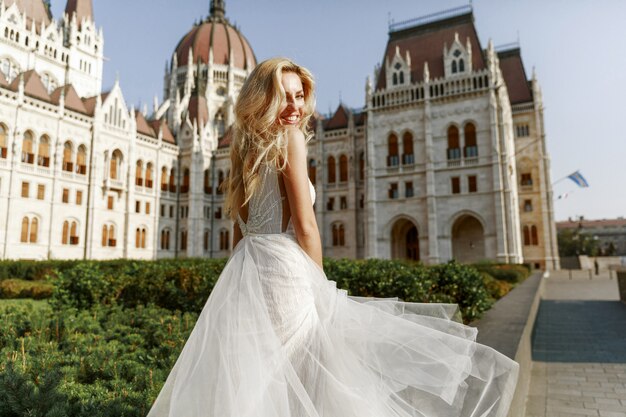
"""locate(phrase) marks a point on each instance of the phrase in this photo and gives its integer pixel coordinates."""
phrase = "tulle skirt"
(276, 338)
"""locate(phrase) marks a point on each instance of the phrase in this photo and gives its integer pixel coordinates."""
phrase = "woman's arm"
(299, 197)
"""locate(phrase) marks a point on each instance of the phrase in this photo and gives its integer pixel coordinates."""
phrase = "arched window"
(3, 140)
(9, 68)
(224, 239)
(454, 69)
(30, 230)
(207, 181)
(105, 235)
(407, 149)
(362, 166)
(312, 170)
(149, 175)
(220, 125)
(74, 234)
(392, 151)
(220, 180)
(164, 176)
(526, 236)
(534, 236)
(395, 78)
(139, 173)
(24, 234)
(461, 65)
(471, 148)
(65, 236)
(34, 229)
(27, 148)
(140, 238)
(343, 168)
(454, 147)
(81, 160)
(112, 241)
(165, 239)
(401, 77)
(185, 187)
(43, 152)
(331, 170)
(339, 238)
(173, 180)
(68, 157)
(205, 241)
(183, 240)
(116, 165)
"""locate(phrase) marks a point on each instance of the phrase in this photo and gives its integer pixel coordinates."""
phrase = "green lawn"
(24, 302)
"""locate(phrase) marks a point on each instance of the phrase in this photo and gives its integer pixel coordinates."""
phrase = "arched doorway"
(405, 240)
(468, 240)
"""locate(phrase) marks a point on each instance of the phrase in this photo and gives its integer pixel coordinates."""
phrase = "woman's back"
(268, 210)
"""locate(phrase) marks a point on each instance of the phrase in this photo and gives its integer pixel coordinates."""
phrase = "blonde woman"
(276, 338)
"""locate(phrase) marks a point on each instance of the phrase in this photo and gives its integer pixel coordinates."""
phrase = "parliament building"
(445, 160)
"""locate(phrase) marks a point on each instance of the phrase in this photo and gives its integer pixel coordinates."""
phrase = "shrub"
(512, 273)
(17, 288)
(171, 284)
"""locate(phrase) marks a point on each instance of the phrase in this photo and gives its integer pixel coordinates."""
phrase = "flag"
(578, 178)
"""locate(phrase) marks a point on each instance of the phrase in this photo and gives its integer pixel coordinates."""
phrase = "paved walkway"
(579, 349)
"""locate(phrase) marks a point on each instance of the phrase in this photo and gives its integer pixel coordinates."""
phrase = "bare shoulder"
(295, 137)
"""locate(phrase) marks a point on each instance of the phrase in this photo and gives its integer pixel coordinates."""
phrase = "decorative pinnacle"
(218, 9)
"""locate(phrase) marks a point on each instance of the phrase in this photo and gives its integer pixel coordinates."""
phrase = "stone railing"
(438, 88)
(508, 327)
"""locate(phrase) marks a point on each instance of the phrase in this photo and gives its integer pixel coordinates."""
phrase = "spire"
(82, 8)
(218, 9)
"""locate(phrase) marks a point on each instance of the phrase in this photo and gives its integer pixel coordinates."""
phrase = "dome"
(218, 34)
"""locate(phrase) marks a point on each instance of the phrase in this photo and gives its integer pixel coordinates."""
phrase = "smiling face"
(291, 109)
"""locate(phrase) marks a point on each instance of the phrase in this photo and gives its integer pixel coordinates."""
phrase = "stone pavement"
(579, 349)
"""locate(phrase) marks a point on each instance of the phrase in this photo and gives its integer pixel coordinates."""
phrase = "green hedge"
(33, 270)
(186, 284)
(18, 288)
(512, 273)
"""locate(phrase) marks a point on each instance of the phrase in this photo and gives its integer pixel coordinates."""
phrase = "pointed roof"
(514, 75)
(339, 120)
(82, 8)
(142, 125)
(90, 102)
(72, 101)
(360, 118)
(425, 40)
(198, 109)
(33, 86)
(161, 126)
(35, 11)
(224, 141)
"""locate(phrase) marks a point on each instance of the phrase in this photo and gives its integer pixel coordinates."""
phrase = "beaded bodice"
(265, 209)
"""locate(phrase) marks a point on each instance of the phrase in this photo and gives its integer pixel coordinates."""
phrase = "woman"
(276, 338)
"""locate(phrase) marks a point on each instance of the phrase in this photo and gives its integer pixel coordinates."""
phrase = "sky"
(573, 45)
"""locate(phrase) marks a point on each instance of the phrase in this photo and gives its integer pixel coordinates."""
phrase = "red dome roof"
(219, 35)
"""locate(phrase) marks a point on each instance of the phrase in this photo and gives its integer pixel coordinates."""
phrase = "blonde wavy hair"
(258, 138)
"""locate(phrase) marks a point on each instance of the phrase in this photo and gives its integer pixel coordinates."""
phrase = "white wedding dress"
(276, 338)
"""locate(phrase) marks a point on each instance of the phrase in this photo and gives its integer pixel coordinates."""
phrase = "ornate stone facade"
(447, 158)
(443, 159)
